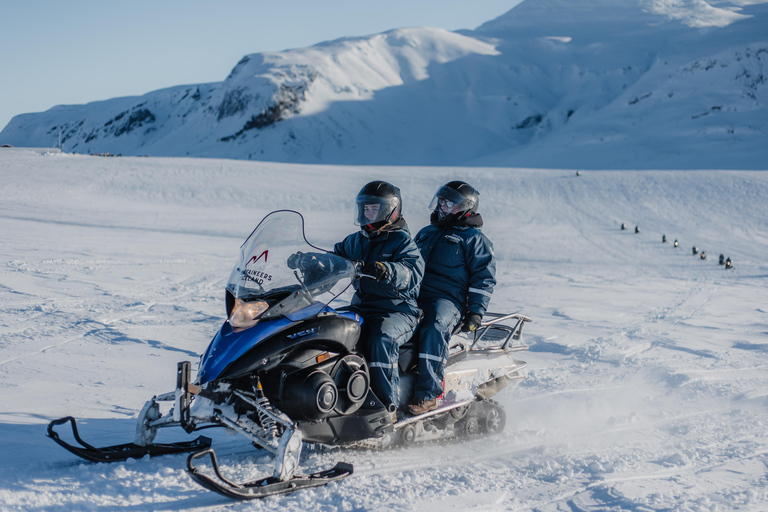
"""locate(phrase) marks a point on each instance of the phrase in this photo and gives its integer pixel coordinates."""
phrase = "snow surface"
(648, 384)
(598, 84)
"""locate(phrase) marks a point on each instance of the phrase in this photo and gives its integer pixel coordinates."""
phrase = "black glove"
(471, 322)
(304, 260)
(377, 270)
(294, 260)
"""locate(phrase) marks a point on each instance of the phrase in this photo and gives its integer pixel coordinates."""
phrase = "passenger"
(387, 299)
(457, 285)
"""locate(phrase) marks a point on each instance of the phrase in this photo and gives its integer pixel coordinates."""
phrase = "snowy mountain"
(551, 83)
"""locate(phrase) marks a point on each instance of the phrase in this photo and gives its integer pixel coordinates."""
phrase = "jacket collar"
(473, 220)
(384, 230)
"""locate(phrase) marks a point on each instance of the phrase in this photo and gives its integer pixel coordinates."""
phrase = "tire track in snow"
(201, 284)
(116, 227)
(603, 493)
(653, 330)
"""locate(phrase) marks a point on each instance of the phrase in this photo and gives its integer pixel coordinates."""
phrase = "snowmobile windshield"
(279, 272)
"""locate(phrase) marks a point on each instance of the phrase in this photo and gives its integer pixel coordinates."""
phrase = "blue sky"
(57, 53)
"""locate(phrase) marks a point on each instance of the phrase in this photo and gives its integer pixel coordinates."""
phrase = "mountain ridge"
(673, 83)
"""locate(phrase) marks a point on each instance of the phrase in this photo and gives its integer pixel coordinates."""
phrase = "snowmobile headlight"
(246, 314)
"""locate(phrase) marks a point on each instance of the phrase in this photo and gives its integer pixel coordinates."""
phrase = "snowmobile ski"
(263, 487)
(122, 451)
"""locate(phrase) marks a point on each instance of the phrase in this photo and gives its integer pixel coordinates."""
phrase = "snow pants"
(440, 317)
(385, 334)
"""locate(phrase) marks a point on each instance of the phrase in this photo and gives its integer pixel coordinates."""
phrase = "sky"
(57, 53)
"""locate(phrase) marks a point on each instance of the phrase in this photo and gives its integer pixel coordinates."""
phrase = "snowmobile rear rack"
(491, 337)
(265, 486)
(493, 331)
(121, 451)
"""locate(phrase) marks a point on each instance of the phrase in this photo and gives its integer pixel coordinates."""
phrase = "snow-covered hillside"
(553, 83)
(648, 365)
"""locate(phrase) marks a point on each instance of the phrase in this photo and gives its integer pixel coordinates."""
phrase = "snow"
(648, 366)
(690, 13)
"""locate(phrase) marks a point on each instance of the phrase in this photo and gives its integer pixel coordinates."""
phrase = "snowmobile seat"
(409, 355)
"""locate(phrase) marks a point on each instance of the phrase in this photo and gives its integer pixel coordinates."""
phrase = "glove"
(377, 270)
(294, 260)
(471, 322)
(304, 261)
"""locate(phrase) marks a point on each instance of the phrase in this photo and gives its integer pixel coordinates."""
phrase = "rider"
(458, 283)
(385, 296)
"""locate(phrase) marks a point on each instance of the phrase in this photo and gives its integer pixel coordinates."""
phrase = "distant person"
(387, 299)
(458, 283)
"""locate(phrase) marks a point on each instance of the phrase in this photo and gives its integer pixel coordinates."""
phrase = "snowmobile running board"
(434, 412)
(263, 487)
(122, 451)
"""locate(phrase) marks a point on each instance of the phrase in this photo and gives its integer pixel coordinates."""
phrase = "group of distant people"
(423, 285)
(702, 255)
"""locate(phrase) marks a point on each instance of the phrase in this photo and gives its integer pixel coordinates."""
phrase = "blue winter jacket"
(397, 251)
(460, 266)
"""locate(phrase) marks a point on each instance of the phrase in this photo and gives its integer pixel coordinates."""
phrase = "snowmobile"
(287, 368)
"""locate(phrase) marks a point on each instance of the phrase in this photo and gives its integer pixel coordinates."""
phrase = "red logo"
(257, 258)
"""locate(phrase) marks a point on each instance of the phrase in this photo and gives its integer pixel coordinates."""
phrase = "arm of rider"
(482, 274)
(406, 267)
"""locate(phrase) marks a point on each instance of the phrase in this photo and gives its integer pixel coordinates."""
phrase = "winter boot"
(422, 406)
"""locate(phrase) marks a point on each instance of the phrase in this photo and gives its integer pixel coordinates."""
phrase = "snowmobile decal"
(257, 258)
(303, 334)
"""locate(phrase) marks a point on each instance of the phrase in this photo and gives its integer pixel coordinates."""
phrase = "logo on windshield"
(257, 258)
(256, 275)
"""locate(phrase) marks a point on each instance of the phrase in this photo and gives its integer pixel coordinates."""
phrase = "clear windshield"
(279, 266)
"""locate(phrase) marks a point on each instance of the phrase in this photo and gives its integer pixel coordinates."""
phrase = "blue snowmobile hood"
(228, 345)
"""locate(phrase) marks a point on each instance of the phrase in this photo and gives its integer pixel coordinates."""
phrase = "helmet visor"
(373, 209)
(449, 201)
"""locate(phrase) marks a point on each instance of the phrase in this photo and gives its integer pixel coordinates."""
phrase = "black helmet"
(459, 198)
(378, 203)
